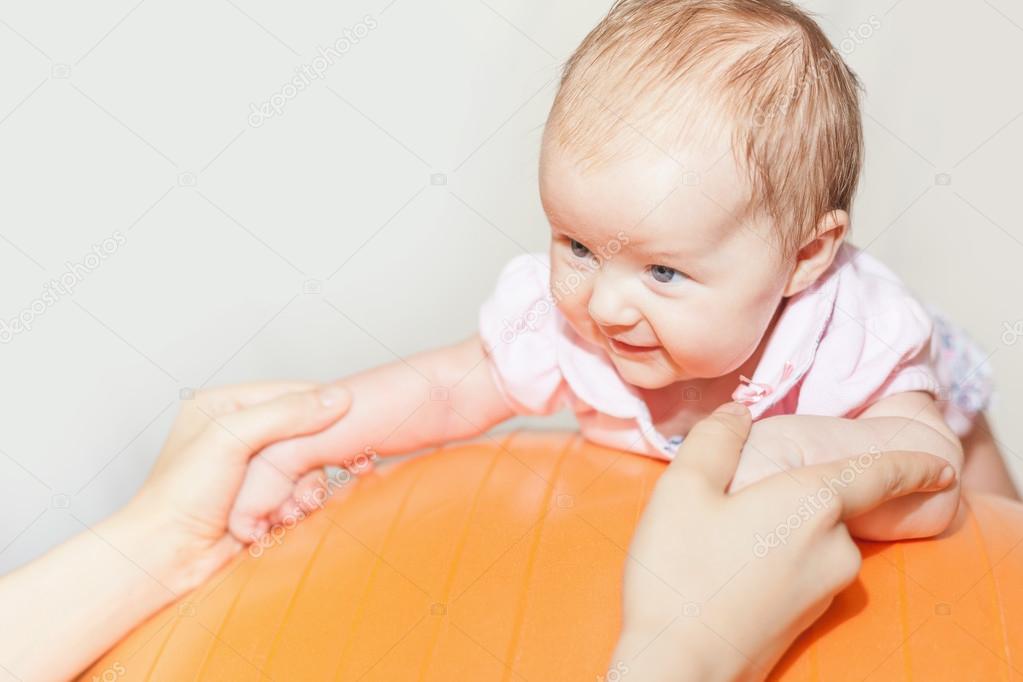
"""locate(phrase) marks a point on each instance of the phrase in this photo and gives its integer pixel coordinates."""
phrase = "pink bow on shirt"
(749, 391)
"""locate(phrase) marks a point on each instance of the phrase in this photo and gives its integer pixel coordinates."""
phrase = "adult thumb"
(713, 445)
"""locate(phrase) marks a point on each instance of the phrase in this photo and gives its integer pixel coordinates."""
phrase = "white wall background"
(317, 243)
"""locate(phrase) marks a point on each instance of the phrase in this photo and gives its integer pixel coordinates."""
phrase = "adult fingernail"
(333, 395)
(737, 409)
(946, 475)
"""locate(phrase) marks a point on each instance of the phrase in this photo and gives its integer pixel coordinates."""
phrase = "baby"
(697, 171)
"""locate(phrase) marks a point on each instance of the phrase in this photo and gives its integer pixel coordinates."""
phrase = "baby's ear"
(814, 257)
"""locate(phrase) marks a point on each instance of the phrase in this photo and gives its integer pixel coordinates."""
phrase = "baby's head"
(697, 168)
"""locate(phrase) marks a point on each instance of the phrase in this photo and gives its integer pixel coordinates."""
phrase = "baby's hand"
(767, 451)
(790, 441)
(920, 515)
(269, 482)
(280, 488)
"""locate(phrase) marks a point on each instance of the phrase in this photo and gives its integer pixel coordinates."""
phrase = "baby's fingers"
(317, 487)
(264, 490)
(310, 493)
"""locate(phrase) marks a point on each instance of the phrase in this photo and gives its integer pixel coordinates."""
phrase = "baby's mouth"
(623, 348)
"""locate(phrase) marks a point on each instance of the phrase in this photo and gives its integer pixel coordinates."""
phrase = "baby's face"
(654, 265)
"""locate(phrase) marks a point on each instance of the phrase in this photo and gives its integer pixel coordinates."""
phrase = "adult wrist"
(175, 561)
(677, 654)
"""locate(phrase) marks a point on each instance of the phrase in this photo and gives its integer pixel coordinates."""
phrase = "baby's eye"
(666, 275)
(578, 250)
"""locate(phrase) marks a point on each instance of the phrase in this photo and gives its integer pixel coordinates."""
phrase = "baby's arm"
(906, 421)
(984, 469)
(425, 400)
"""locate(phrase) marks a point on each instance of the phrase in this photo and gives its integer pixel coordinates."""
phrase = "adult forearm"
(63, 610)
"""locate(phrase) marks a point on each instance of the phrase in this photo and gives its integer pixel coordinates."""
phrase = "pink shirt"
(856, 336)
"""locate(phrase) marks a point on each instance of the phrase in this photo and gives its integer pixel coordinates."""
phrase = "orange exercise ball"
(502, 560)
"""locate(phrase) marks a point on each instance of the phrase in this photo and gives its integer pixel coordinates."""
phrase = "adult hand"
(195, 480)
(86, 594)
(717, 585)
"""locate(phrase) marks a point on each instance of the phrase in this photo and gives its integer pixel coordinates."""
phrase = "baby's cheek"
(573, 307)
(747, 326)
(714, 345)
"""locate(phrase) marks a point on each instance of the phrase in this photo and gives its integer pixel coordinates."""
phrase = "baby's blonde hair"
(759, 70)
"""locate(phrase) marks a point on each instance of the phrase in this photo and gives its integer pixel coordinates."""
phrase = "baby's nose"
(609, 307)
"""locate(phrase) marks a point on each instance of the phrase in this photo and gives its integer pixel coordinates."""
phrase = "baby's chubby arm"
(427, 399)
(905, 421)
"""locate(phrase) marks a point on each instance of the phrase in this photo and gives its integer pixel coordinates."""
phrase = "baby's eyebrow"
(573, 233)
(663, 254)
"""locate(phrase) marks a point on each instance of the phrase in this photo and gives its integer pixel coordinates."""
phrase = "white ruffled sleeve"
(518, 326)
(877, 344)
(964, 373)
(882, 341)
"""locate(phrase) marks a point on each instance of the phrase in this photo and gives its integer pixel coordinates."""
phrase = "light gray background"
(133, 117)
